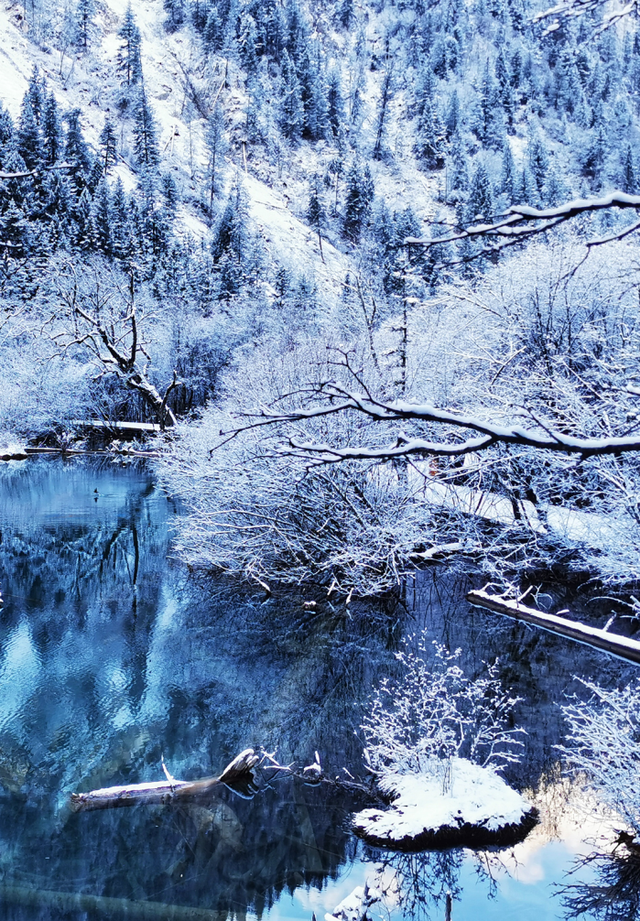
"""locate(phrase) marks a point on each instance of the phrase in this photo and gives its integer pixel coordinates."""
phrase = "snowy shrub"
(433, 712)
(604, 733)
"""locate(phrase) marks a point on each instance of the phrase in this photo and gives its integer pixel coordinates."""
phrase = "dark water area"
(112, 658)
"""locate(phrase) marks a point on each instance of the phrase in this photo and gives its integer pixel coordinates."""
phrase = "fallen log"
(621, 646)
(238, 773)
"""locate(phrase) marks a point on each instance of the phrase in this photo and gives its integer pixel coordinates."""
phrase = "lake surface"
(112, 658)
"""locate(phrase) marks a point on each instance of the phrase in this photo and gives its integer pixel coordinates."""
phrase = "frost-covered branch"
(570, 9)
(520, 223)
(478, 434)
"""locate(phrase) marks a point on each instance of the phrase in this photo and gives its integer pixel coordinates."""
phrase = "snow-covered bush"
(604, 737)
(432, 712)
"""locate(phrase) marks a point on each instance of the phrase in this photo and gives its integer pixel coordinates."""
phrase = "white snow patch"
(455, 793)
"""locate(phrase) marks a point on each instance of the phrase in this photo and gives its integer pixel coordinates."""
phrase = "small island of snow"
(457, 803)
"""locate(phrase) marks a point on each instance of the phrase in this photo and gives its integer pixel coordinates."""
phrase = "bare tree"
(105, 321)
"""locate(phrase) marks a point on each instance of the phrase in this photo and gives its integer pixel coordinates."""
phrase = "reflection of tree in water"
(224, 853)
(424, 886)
(615, 893)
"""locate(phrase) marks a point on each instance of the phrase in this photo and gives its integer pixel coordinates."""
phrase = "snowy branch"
(478, 433)
(521, 222)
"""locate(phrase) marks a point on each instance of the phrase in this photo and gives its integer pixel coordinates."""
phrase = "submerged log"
(621, 646)
(237, 773)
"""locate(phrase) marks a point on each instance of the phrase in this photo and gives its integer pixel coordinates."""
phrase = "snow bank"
(457, 803)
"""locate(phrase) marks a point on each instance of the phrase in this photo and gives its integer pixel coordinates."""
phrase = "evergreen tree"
(29, 139)
(216, 149)
(230, 248)
(214, 31)
(508, 179)
(291, 108)
(52, 134)
(120, 230)
(335, 103)
(7, 137)
(76, 152)
(85, 235)
(359, 198)
(452, 118)
(538, 161)
(480, 204)
(36, 93)
(176, 14)
(312, 94)
(103, 218)
(199, 14)
(129, 60)
(345, 13)
(85, 11)
(505, 90)
(629, 180)
(144, 134)
(489, 114)
(431, 142)
(108, 146)
(248, 43)
(315, 210)
(458, 177)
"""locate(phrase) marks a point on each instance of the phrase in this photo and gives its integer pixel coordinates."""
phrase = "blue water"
(112, 657)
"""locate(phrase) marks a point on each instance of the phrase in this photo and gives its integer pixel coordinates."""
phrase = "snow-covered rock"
(458, 803)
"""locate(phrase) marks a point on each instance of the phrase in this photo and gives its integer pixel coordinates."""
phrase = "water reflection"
(112, 657)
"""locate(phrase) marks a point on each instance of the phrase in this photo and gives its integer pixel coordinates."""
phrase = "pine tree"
(129, 60)
(291, 108)
(345, 13)
(315, 210)
(505, 91)
(312, 94)
(452, 118)
(629, 180)
(36, 93)
(508, 178)
(214, 31)
(76, 152)
(176, 14)
(8, 137)
(216, 148)
(120, 230)
(359, 198)
(145, 143)
(538, 161)
(248, 43)
(335, 103)
(85, 11)
(431, 142)
(480, 205)
(458, 177)
(52, 134)
(29, 139)
(103, 218)
(108, 146)
(230, 248)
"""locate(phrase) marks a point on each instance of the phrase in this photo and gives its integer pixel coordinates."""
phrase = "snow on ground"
(424, 803)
